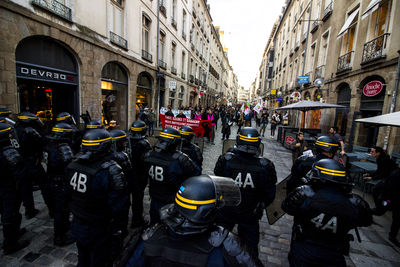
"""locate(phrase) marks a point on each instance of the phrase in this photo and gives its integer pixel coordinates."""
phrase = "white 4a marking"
(330, 225)
(248, 181)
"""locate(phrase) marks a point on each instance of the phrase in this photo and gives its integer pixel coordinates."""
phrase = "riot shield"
(274, 211)
(229, 143)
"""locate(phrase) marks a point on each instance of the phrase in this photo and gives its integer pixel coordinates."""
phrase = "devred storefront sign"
(372, 88)
(289, 140)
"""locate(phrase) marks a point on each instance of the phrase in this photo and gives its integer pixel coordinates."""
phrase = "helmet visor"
(227, 192)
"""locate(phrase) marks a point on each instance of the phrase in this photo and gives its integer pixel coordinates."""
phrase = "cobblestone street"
(374, 249)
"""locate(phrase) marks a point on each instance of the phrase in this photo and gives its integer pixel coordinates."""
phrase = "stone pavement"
(374, 249)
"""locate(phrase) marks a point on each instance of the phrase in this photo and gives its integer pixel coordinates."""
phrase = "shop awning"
(373, 5)
(390, 119)
(348, 22)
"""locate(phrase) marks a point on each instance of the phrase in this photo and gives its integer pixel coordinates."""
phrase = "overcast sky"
(247, 25)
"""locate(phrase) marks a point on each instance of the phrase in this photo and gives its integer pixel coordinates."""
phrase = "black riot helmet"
(187, 134)
(120, 140)
(28, 119)
(62, 131)
(197, 201)
(6, 131)
(94, 124)
(66, 118)
(5, 112)
(327, 144)
(97, 140)
(248, 140)
(2, 119)
(138, 130)
(328, 172)
(169, 139)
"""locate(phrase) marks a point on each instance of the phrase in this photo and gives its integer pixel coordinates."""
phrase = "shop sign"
(273, 92)
(279, 99)
(372, 88)
(45, 74)
(202, 92)
(303, 79)
(289, 140)
(295, 95)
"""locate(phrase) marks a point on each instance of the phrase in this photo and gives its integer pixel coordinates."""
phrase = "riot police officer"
(325, 148)
(187, 235)
(139, 146)
(59, 155)
(256, 178)
(10, 164)
(119, 149)
(166, 170)
(190, 149)
(94, 124)
(5, 114)
(324, 212)
(31, 140)
(65, 117)
(99, 202)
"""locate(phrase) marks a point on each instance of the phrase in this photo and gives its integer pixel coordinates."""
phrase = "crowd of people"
(100, 174)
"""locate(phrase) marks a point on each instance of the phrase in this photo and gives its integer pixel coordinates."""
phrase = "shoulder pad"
(178, 155)
(228, 156)
(264, 162)
(116, 174)
(12, 156)
(218, 236)
(66, 152)
(358, 201)
(149, 232)
(305, 158)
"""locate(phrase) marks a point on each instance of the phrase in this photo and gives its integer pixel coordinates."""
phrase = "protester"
(338, 138)
(181, 115)
(274, 122)
(151, 119)
(299, 146)
(169, 112)
(263, 123)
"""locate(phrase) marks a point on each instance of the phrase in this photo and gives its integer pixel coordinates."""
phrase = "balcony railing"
(191, 78)
(327, 12)
(162, 64)
(183, 76)
(375, 49)
(304, 37)
(147, 56)
(345, 62)
(173, 70)
(174, 23)
(320, 72)
(54, 7)
(314, 26)
(118, 40)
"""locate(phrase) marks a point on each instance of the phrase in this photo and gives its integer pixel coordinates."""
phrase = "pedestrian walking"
(274, 122)
(263, 123)
(299, 146)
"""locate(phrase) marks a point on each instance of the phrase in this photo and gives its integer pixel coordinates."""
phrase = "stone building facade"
(101, 57)
(349, 52)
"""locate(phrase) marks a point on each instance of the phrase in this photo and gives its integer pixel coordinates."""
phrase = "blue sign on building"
(279, 99)
(303, 79)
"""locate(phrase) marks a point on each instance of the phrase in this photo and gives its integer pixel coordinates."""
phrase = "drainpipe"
(158, 68)
(393, 105)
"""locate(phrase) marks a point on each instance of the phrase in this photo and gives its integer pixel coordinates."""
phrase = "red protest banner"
(177, 123)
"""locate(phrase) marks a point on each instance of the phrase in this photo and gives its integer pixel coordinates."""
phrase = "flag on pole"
(258, 108)
(242, 108)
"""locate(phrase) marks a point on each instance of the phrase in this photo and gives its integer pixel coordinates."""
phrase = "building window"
(174, 21)
(184, 22)
(379, 21)
(323, 51)
(173, 52)
(162, 62)
(146, 23)
(183, 63)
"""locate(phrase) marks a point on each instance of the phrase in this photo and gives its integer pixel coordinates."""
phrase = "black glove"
(117, 242)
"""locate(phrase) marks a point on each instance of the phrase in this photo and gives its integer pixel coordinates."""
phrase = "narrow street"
(374, 250)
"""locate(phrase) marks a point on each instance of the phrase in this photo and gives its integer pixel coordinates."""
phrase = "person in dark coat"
(298, 147)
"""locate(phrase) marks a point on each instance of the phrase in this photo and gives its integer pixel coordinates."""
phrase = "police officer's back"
(187, 235)
(10, 164)
(325, 148)
(256, 177)
(138, 147)
(31, 140)
(99, 202)
(324, 212)
(190, 149)
(166, 168)
(59, 155)
(119, 150)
